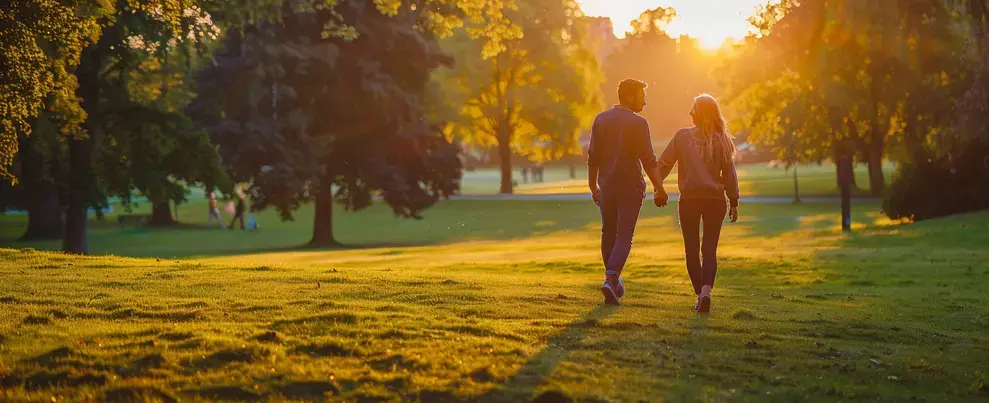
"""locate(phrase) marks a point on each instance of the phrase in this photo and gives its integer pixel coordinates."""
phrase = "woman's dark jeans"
(692, 213)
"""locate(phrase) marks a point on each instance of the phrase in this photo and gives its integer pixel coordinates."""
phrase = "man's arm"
(647, 156)
(592, 181)
(592, 165)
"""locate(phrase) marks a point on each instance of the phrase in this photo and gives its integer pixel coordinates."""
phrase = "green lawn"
(754, 180)
(498, 301)
(447, 222)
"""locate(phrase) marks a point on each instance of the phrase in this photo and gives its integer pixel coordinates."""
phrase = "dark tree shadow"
(307, 248)
(523, 384)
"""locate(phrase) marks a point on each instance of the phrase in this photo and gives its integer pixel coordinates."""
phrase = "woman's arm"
(730, 176)
(669, 158)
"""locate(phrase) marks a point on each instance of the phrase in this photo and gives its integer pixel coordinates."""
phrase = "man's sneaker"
(610, 297)
(704, 305)
(620, 291)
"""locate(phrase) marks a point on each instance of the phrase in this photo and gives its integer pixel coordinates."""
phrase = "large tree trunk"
(796, 186)
(322, 233)
(855, 182)
(505, 153)
(877, 180)
(161, 215)
(44, 216)
(80, 163)
(877, 144)
(849, 146)
(81, 181)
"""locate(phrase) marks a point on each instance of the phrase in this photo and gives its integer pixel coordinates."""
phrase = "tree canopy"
(830, 77)
(532, 99)
(675, 69)
(40, 45)
(329, 105)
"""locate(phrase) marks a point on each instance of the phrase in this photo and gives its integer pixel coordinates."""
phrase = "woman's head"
(710, 124)
(706, 114)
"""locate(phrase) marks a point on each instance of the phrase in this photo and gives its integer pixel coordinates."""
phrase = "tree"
(153, 147)
(839, 53)
(974, 105)
(303, 113)
(40, 45)
(99, 163)
(675, 69)
(948, 173)
(41, 177)
(531, 99)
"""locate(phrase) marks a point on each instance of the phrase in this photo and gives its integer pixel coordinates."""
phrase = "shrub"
(933, 186)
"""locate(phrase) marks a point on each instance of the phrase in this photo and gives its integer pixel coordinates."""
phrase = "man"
(620, 150)
(239, 212)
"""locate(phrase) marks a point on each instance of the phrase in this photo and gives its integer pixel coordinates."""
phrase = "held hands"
(660, 198)
(733, 214)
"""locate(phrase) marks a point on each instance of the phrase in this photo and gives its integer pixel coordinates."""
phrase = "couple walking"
(621, 149)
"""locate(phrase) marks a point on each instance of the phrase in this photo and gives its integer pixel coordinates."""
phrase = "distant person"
(214, 211)
(252, 224)
(706, 178)
(525, 174)
(619, 151)
(239, 212)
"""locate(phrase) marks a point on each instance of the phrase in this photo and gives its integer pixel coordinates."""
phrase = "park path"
(673, 197)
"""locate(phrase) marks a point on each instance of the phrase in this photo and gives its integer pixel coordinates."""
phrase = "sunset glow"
(710, 21)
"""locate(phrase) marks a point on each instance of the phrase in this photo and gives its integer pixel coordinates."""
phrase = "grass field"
(498, 301)
(754, 180)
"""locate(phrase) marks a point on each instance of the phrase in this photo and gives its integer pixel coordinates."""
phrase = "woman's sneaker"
(620, 290)
(610, 296)
(704, 304)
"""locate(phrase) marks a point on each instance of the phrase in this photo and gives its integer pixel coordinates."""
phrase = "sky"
(710, 21)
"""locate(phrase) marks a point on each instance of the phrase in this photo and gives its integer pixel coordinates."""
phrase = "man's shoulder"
(606, 113)
(622, 115)
(635, 117)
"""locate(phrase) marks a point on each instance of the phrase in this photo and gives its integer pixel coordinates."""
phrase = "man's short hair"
(629, 87)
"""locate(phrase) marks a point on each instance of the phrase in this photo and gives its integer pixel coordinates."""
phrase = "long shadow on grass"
(769, 220)
(522, 385)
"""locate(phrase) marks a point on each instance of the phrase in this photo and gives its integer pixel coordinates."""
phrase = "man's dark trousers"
(619, 212)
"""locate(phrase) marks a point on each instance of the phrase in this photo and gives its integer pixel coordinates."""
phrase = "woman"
(705, 154)
(214, 212)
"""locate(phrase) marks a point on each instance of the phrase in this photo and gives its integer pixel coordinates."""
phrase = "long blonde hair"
(711, 130)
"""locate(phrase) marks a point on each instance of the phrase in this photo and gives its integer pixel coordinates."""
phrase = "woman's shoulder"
(684, 131)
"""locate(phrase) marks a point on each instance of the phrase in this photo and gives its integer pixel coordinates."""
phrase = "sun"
(712, 41)
(711, 22)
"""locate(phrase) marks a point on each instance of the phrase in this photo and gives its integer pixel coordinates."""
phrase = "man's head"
(632, 94)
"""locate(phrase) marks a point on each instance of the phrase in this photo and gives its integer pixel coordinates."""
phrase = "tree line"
(347, 101)
(298, 101)
(901, 80)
